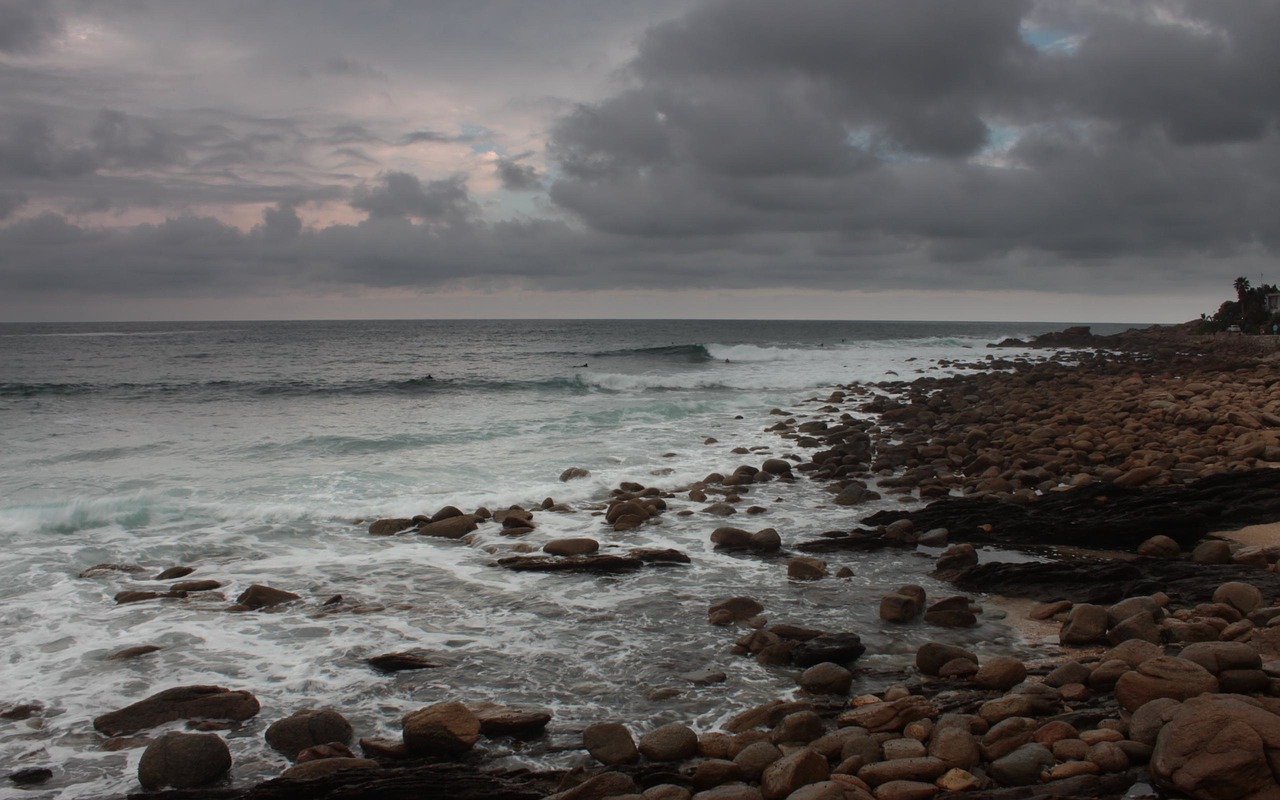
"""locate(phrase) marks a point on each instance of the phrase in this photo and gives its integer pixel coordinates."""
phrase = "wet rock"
(1217, 657)
(954, 744)
(932, 656)
(826, 678)
(126, 653)
(183, 761)
(955, 559)
(174, 572)
(673, 742)
(753, 759)
(1212, 551)
(441, 729)
(1086, 623)
(499, 720)
(734, 609)
(390, 526)
(30, 776)
(888, 716)
(259, 596)
(715, 771)
(1006, 736)
(599, 787)
(184, 702)
(806, 568)
(326, 767)
(579, 546)
(801, 727)
(610, 743)
(732, 791)
(1134, 652)
(901, 606)
(307, 728)
(720, 509)
(924, 768)
(98, 570)
(766, 540)
(838, 648)
(574, 473)
(1146, 722)
(604, 564)
(401, 662)
(450, 527)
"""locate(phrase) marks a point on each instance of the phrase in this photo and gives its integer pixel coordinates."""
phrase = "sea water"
(249, 451)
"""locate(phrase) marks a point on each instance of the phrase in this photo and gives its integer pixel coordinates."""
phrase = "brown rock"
(1217, 747)
(578, 546)
(610, 743)
(905, 790)
(1165, 676)
(729, 538)
(401, 662)
(499, 720)
(259, 596)
(1086, 624)
(926, 768)
(931, 656)
(714, 772)
(1159, 547)
(390, 527)
(325, 767)
(951, 612)
(789, 773)
(674, 742)
(899, 607)
(806, 568)
(888, 716)
(1133, 652)
(1244, 597)
(954, 744)
(183, 761)
(1001, 672)
(307, 728)
(599, 787)
(738, 609)
(573, 473)
(440, 729)
(1146, 722)
(126, 653)
(801, 727)
(1006, 736)
(1212, 551)
(753, 759)
(450, 527)
(826, 678)
(183, 702)
(1217, 657)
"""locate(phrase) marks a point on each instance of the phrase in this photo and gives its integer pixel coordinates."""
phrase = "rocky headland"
(1113, 462)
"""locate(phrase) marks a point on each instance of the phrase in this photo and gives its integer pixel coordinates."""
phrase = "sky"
(1072, 160)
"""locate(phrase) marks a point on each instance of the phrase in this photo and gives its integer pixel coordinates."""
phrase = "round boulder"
(1165, 676)
(183, 761)
(307, 728)
(1217, 747)
(826, 678)
(448, 729)
(674, 742)
(610, 743)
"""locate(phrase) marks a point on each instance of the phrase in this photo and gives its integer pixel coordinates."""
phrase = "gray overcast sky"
(976, 159)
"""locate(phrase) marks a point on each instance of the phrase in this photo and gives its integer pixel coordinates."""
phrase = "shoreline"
(887, 462)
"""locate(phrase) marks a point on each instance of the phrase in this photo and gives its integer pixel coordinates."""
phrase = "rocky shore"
(1109, 463)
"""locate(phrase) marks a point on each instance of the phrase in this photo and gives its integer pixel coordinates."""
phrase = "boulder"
(1244, 597)
(673, 742)
(307, 728)
(1217, 657)
(325, 767)
(931, 656)
(838, 648)
(922, 768)
(956, 558)
(1159, 547)
(183, 702)
(450, 527)
(1212, 551)
(1001, 672)
(1165, 676)
(1086, 623)
(499, 720)
(951, 612)
(888, 716)
(776, 466)
(183, 761)
(755, 758)
(1146, 722)
(440, 729)
(801, 727)
(401, 662)
(735, 609)
(1023, 766)
(1218, 747)
(573, 473)
(899, 607)
(390, 526)
(789, 773)
(598, 787)
(806, 568)
(260, 596)
(826, 678)
(766, 540)
(610, 743)
(954, 744)
(577, 546)
(730, 538)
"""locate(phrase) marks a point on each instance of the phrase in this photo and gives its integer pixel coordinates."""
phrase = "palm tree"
(1242, 289)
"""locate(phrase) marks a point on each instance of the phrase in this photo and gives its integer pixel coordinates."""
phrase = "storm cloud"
(1040, 145)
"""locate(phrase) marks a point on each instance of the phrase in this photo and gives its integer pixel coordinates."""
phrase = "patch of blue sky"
(1050, 40)
(480, 138)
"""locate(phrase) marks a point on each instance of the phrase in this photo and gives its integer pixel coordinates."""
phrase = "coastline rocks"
(325, 767)
(307, 728)
(183, 761)
(933, 656)
(499, 720)
(401, 662)
(903, 604)
(734, 609)
(183, 702)
(579, 546)
(789, 773)
(839, 648)
(1086, 623)
(1244, 597)
(1219, 746)
(1001, 672)
(1165, 676)
(592, 563)
(610, 743)
(806, 568)
(674, 742)
(441, 729)
(1023, 766)
(1159, 546)
(449, 527)
(259, 596)
(826, 678)
(762, 541)
(574, 473)
(390, 526)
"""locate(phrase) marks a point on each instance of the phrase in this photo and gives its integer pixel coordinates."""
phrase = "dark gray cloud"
(399, 195)
(30, 149)
(11, 202)
(517, 177)
(27, 25)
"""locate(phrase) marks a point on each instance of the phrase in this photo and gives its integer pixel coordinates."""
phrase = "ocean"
(250, 451)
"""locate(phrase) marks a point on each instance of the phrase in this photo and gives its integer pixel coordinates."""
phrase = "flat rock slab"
(1109, 582)
(182, 702)
(1106, 516)
(593, 563)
